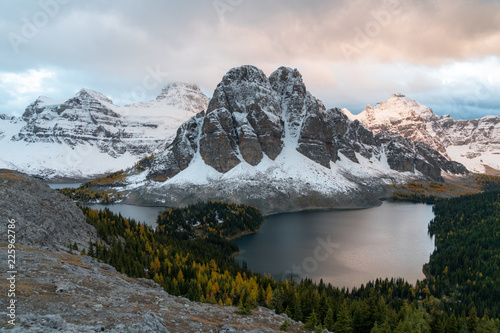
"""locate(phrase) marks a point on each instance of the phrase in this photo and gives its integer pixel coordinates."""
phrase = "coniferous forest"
(189, 254)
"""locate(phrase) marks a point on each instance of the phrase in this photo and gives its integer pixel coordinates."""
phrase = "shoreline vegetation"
(201, 267)
(92, 192)
(432, 192)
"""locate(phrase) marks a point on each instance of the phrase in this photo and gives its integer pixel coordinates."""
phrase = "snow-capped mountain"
(268, 142)
(88, 135)
(474, 143)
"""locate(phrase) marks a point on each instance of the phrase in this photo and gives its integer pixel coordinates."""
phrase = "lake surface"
(138, 213)
(346, 248)
(144, 214)
(58, 186)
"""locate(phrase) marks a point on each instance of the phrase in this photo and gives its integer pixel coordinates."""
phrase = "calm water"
(345, 248)
(138, 213)
(57, 186)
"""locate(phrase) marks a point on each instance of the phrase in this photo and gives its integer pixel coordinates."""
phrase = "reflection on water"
(138, 213)
(345, 248)
(57, 186)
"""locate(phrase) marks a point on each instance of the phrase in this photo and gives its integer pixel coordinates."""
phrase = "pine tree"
(436, 322)
(312, 321)
(91, 249)
(487, 326)
(344, 320)
(452, 325)
(472, 320)
(329, 322)
(385, 328)
(298, 309)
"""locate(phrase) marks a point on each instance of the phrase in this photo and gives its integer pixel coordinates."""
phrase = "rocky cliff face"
(43, 216)
(86, 118)
(251, 116)
(271, 135)
(88, 135)
(474, 143)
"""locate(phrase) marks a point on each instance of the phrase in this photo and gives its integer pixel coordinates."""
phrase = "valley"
(203, 270)
(225, 201)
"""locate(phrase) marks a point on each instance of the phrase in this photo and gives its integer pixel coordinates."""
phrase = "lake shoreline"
(384, 242)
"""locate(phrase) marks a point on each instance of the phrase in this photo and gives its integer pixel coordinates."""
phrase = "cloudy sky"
(445, 54)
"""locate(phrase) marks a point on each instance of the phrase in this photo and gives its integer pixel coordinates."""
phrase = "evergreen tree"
(329, 322)
(312, 321)
(472, 320)
(384, 328)
(487, 326)
(452, 325)
(298, 309)
(344, 320)
(91, 249)
(436, 323)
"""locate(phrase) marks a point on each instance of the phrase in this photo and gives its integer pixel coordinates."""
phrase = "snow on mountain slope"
(474, 143)
(88, 135)
(268, 142)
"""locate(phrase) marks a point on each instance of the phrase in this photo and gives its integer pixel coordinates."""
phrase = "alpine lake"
(346, 248)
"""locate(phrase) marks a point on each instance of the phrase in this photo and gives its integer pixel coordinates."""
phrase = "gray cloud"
(396, 45)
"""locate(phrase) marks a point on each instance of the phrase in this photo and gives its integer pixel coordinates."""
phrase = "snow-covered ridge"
(88, 135)
(268, 142)
(474, 143)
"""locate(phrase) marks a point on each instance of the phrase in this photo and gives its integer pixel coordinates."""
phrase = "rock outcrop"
(43, 216)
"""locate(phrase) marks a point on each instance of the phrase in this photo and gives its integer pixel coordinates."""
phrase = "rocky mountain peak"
(242, 120)
(473, 143)
(186, 96)
(89, 128)
(402, 107)
(252, 119)
(245, 73)
(40, 104)
(285, 78)
(89, 94)
(397, 95)
(177, 86)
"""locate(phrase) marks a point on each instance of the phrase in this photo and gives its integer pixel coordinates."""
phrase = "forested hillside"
(460, 294)
(465, 268)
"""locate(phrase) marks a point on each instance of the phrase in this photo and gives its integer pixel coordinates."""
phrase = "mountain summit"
(474, 143)
(268, 142)
(88, 135)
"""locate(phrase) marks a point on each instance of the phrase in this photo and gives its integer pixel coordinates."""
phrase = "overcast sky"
(444, 54)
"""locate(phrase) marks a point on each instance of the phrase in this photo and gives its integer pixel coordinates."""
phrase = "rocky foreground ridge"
(61, 292)
(268, 142)
(44, 217)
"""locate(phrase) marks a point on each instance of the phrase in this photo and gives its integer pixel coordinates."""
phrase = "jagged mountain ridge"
(474, 143)
(88, 135)
(269, 142)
